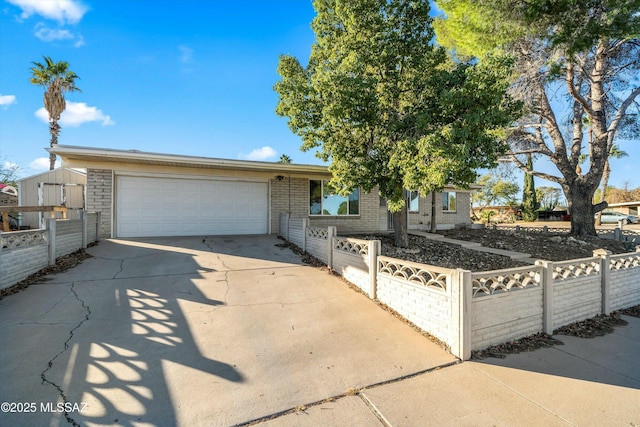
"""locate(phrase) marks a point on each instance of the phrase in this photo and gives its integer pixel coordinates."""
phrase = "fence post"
(545, 230)
(331, 232)
(51, 229)
(461, 292)
(83, 217)
(305, 224)
(547, 296)
(617, 233)
(465, 312)
(374, 251)
(98, 222)
(605, 261)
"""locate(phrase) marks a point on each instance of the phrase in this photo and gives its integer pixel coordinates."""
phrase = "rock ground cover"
(556, 247)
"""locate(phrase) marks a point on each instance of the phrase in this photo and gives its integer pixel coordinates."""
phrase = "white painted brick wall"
(625, 288)
(429, 310)
(17, 264)
(576, 299)
(354, 268)
(318, 248)
(505, 316)
(295, 231)
(92, 236)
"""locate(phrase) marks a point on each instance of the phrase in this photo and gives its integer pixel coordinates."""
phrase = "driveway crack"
(43, 374)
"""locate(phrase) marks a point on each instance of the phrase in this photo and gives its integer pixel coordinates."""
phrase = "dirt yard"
(442, 254)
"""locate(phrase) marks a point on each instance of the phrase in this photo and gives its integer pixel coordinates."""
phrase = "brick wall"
(505, 316)
(23, 253)
(576, 299)
(292, 195)
(68, 236)
(427, 309)
(100, 197)
(92, 234)
(354, 268)
(296, 231)
(318, 247)
(422, 218)
(624, 280)
(19, 263)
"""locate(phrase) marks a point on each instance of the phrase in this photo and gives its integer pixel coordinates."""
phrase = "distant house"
(59, 187)
(627, 208)
(8, 195)
(143, 194)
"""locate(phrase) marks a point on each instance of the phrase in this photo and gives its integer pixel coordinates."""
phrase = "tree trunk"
(54, 129)
(581, 210)
(605, 182)
(400, 235)
(434, 223)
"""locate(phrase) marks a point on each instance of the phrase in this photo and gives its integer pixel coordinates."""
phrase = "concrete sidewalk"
(237, 331)
(585, 382)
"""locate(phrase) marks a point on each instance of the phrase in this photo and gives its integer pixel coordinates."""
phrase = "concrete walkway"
(520, 256)
(237, 331)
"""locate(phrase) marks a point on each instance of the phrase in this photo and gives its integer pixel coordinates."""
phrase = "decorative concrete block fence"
(23, 253)
(473, 310)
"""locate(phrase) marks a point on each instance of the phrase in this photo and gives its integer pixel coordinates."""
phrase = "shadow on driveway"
(196, 331)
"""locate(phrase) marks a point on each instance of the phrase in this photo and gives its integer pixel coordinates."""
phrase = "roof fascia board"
(112, 155)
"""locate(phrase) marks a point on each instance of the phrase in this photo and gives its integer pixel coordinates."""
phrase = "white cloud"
(6, 100)
(263, 153)
(76, 114)
(10, 165)
(47, 34)
(63, 11)
(79, 41)
(186, 54)
(42, 163)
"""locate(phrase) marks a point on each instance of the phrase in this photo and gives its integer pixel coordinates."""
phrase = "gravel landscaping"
(538, 246)
(558, 247)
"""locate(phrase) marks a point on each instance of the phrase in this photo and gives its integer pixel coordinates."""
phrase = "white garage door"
(147, 207)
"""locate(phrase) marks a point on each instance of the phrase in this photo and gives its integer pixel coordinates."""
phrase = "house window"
(323, 201)
(413, 201)
(449, 201)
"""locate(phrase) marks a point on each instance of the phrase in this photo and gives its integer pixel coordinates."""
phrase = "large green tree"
(56, 78)
(577, 62)
(387, 108)
(494, 191)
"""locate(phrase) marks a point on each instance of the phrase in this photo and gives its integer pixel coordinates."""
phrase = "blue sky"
(190, 77)
(187, 77)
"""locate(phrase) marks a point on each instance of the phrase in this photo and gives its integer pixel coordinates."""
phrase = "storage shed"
(59, 187)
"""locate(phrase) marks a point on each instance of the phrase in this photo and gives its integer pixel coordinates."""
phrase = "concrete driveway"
(196, 332)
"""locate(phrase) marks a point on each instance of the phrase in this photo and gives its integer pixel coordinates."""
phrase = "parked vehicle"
(615, 217)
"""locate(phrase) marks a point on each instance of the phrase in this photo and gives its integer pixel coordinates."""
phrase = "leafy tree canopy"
(387, 107)
(495, 191)
(576, 70)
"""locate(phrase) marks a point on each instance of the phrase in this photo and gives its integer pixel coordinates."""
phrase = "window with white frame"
(449, 201)
(413, 201)
(323, 201)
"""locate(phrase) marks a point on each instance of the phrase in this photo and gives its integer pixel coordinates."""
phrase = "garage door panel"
(147, 206)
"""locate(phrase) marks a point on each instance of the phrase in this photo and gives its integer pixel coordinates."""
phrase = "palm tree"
(284, 159)
(57, 79)
(615, 153)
